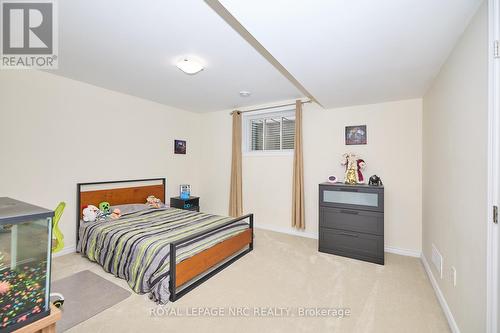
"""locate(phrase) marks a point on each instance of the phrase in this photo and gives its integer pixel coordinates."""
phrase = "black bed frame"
(174, 293)
(79, 190)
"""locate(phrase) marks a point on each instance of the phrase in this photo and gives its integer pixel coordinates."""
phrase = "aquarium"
(25, 242)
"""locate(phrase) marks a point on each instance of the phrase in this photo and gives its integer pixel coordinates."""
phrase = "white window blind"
(271, 132)
(288, 136)
(257, 133)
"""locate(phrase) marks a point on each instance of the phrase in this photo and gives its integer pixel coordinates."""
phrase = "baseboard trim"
(403, 252)
(287, 231)
(389, 249)
(65, 250)
(442, 301)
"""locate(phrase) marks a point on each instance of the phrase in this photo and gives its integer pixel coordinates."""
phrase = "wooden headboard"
(116, 194)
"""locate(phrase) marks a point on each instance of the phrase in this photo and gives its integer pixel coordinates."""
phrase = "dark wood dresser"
(351, 221)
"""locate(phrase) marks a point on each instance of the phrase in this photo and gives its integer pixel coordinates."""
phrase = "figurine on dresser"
(353, 169)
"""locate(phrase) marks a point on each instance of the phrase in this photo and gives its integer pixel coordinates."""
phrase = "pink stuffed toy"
(116, 214)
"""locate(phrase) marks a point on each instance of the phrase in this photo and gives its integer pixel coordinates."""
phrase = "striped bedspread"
(136, 247)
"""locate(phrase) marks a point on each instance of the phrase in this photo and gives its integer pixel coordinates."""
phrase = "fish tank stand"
(45, 325)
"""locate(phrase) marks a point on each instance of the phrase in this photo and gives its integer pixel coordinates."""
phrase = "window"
(270, 132)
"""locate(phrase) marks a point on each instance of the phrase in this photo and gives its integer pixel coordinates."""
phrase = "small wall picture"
(355, 135)
(179, 146)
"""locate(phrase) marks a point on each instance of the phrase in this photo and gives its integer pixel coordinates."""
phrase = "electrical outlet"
(453, 275)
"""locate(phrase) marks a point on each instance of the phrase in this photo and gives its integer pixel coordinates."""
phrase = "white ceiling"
(347, 52)
(344, 52)
(132, 47)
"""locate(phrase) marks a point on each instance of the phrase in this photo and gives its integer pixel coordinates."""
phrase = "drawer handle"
(349, 189)
(348, 234)
(353, 212)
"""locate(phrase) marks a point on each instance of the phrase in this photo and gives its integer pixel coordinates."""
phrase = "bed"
(164, 252)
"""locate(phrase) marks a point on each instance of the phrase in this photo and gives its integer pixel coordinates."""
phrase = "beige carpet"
(283, 273)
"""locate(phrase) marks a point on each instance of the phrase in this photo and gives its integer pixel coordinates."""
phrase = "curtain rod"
(269, 107)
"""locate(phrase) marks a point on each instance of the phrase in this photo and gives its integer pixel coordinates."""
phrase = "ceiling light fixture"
(189, 66)
(245, 93)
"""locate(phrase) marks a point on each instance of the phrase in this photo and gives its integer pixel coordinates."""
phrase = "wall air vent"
(437, 260)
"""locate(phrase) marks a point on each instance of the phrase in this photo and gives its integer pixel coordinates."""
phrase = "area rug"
(85, 295)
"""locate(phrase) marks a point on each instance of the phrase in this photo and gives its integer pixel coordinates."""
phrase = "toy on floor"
(153, 202)
(59, 299)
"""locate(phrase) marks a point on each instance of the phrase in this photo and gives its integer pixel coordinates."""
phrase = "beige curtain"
(298, 220)
(235, 193)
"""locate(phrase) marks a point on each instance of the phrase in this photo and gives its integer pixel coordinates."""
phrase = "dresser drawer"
(352, 197)
(352, 220)
(352, 244)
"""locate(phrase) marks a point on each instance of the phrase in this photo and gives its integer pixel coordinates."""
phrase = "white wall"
(393, 152)
(455, 174)
(56, 132)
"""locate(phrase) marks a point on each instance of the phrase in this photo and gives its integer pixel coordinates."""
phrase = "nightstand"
(193, 203)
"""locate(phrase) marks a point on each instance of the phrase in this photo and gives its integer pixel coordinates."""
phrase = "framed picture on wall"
(355, 135)
(179, 146)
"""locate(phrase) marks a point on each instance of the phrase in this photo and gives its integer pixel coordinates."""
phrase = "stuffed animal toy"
(153, 202)
(353, 167)
(361, 166)
(375, 181)
(116, 214)
(90, 213)
(349, 160)
(104, 208)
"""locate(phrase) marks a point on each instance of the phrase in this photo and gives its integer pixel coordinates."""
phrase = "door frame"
(493, 232)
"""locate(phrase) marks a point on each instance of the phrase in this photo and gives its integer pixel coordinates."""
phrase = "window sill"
(267, 153)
